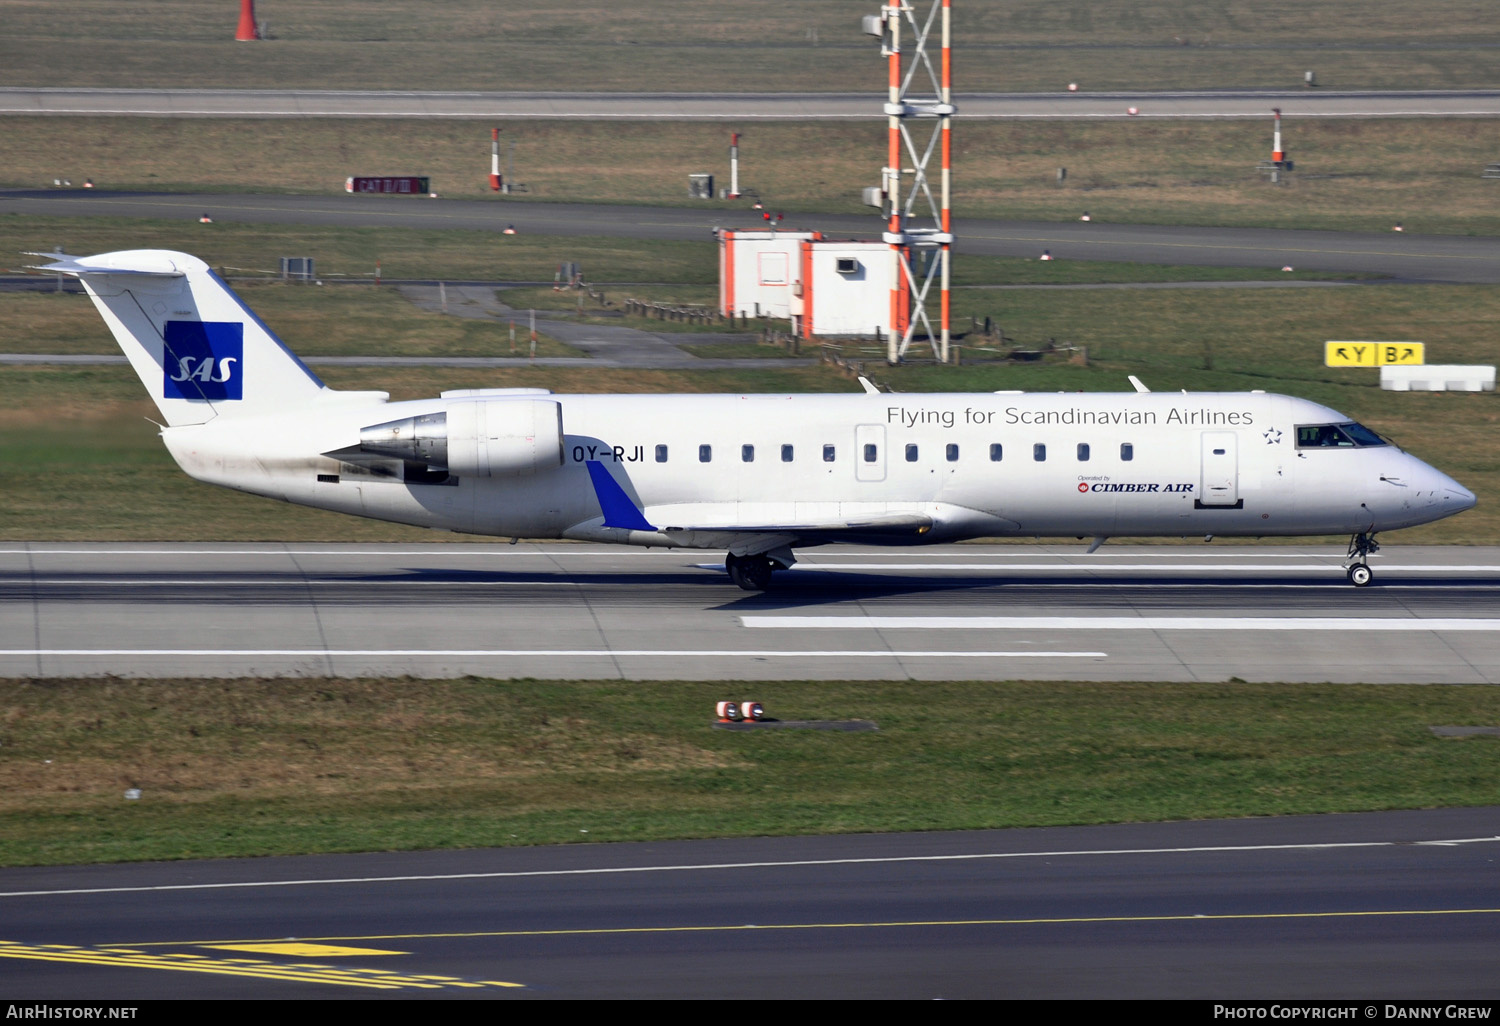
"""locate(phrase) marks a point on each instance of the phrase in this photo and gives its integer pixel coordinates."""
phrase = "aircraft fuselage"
(976, 464)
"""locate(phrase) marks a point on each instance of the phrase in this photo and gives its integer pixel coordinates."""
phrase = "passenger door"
(1221, 477)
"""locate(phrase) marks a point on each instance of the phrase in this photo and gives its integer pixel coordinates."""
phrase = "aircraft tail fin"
(198, 349)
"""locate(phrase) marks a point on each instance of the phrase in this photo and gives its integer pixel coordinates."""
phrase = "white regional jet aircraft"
(755, 475)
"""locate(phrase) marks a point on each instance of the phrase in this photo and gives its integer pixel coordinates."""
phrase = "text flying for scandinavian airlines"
(1185, 416)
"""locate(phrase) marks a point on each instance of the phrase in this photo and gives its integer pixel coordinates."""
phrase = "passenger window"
(911, 452)
(705, 453)
(786, 454)
(870, 453)
(661, 454)
(827, 454)
(747, 454)
(1127, 452)
(1039, 452)
(1083, 452)
(952, 453)
(996, 451)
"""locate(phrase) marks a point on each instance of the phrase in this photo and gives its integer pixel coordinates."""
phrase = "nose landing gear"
(1361, 545)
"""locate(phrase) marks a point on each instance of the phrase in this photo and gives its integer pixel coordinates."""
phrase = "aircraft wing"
(851, 528)
(834, 520)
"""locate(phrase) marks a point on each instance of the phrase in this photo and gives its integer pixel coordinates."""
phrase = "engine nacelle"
(512, 437)
(475, 438)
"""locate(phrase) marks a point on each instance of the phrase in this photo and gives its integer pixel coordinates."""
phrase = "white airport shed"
(759, 270)
(1437, 377)
(847, 291)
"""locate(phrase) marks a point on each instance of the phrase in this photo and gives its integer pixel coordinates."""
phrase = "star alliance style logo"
(1272, 436)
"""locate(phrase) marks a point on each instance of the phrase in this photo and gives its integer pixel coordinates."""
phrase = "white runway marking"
(541, 652)
(348, 552)
(293, 581)
(1120, 623)
(606, 870)
(1332, 568)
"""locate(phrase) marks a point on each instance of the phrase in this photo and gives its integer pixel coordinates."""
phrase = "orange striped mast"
(894, 234)
(945, 94)
(921, 255)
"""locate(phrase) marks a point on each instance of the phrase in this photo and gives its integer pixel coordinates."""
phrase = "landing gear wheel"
(1361, 545)
(752, 573)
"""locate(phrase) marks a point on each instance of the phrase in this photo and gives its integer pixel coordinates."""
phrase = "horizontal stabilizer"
(160, 265)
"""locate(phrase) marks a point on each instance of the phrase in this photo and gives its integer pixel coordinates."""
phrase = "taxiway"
(1381, 905)
(1401, 257)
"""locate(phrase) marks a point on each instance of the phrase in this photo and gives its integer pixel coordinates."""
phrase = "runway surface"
(554, 610)
(1403, 257)
(198, 103)
(1385, 906)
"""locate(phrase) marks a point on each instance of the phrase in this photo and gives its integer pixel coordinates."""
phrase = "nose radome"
(1458, 496)
(1450, 493)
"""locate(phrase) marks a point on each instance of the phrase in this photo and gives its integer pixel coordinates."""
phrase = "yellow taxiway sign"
(1373, 354)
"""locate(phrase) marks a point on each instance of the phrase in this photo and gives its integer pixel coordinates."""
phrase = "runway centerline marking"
(1120, 623)
(610, 931)
(711, 866)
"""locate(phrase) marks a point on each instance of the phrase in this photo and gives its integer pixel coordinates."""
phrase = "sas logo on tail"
(204, 360)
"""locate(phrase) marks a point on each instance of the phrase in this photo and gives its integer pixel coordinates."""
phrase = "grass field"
(1351, 174)
(253, 250)
(272, 767)
(364, 321)
(756, 45)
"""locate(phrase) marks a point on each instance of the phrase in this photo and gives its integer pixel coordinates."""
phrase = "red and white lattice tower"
(919, 226)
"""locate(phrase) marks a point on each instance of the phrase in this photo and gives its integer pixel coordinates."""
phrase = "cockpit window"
(1336, 436)
(1362, 435)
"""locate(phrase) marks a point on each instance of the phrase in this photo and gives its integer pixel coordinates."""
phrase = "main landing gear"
(753, 573)
(1361, 545)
